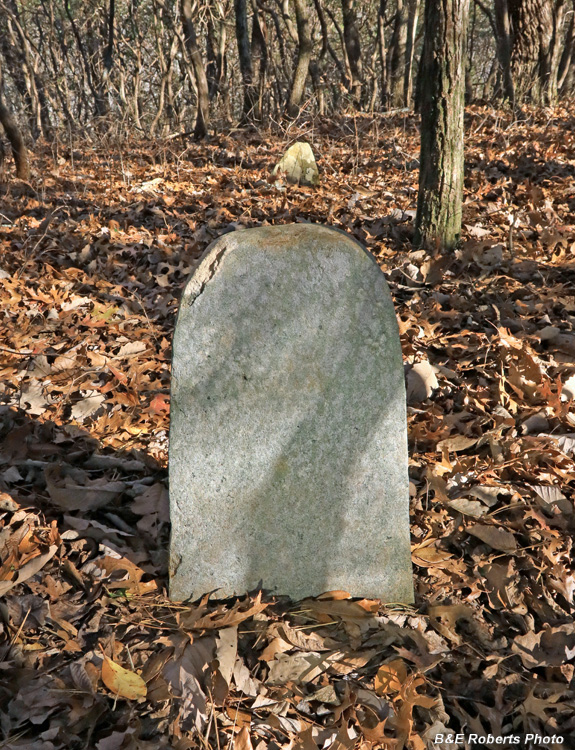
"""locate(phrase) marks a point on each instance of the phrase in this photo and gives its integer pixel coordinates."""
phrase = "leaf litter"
(93, 654)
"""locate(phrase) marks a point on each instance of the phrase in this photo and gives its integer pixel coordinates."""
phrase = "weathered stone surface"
(288, 439)
(298, 165)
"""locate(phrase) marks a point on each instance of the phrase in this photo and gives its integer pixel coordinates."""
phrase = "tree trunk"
(504, 43)
(14, 135)
(397, 47)
(384, 92)
(412, 18)
(353, 49)
(316, 67)
(259, 61)
(469, 57)
(552, 38)
(536, 26)
(109, 51)
(565, 60)
(245, 56)
(566, 72)
(524, 19)
(438, 218)
(304, 52)
(16, 51)
(190, 39)
(99, 102)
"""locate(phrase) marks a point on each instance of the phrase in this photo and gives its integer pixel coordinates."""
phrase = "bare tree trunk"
(316, 67)
(384, 85)
(27, 72)
(343, 67)
(490, 86)
(245, 56)
(469, 56)
(504, 43)
(551, 41)
(353, 49)
(566, 72)
(304, 53)
(566, 59)
(259, 61)
(536, 28)
(109, 51)
(190, 39)
(438, 218)
(412, 18)
(397, 47)
(108, 55)
(14, 135)
(99, 103)
(216, 46)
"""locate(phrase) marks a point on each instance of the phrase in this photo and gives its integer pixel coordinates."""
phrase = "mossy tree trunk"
(438, 219)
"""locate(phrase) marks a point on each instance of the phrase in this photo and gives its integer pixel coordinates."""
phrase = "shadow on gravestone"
(288, 437)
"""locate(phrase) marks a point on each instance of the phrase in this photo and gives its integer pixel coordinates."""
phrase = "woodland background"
(144, 130)
(145, 68)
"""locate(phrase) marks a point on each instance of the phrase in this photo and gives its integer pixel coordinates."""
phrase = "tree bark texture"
(438, 218)
(413, 15)
(397, 46)
(504, 43)
(353, 49)
(566, 59)
(203, 110)
(14, 135)
(259, 55)
(245, 57)
(304, 52)
(536, 27)
(384, 93)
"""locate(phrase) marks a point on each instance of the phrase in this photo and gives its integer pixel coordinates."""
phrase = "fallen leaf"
(87, 406)
(66, 494)
(122, 682)
(243, 740)
(495, 537)
(226, 652)
(390, 677)
(421, 382)
(28, 570)
(130, 575)
(224, 619)
(552, 646)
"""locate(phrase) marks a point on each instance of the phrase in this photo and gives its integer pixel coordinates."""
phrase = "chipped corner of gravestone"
(298, 165)
(288, 441)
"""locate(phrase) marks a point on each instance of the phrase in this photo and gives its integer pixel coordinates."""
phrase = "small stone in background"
(298, 165)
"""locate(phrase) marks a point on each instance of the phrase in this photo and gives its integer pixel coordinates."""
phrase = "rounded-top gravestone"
(288, 438)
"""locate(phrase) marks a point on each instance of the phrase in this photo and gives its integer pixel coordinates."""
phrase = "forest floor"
(93, 257)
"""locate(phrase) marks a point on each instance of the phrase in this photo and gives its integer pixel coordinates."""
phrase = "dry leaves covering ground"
(92, 260)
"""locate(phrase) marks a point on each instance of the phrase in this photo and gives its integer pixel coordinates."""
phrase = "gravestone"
(288, 437)
(298, 165)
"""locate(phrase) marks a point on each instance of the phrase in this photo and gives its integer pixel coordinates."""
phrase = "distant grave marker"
(288, 438)
(298, 165)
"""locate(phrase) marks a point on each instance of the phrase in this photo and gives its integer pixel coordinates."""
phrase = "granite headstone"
(288, 437)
